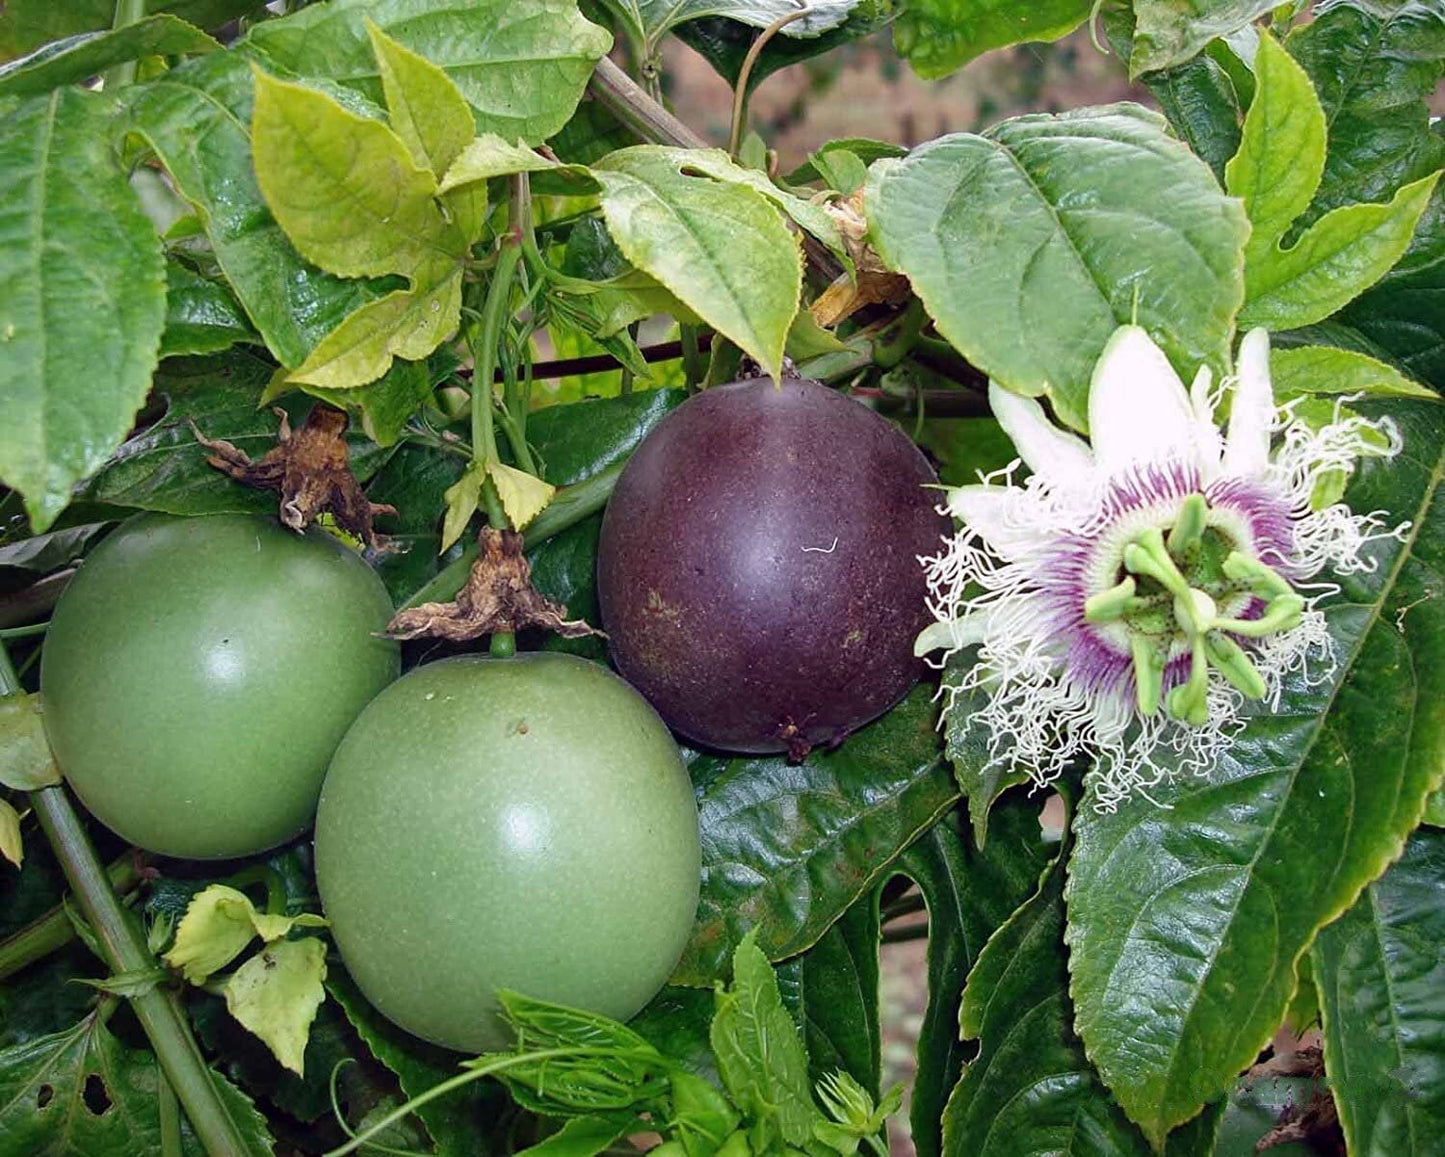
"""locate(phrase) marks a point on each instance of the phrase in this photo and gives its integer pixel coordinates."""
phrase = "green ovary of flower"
(1167, 600)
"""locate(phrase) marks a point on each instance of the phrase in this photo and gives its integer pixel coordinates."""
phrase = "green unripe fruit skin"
(522, 823)
(199, 672)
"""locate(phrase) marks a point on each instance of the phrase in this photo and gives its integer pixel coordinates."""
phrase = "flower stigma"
(1135, 593)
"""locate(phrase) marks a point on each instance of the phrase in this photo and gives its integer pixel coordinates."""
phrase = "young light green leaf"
(196, 117)
(937, 37)
(219, 922)
(488, 156)
(523, 495)
(721, 248)
(25, 760)
(79, 322)
(522, 65)
(1340, 256)
(276, 993)
(1031, 244)
(462, 499)
(1281, 152)
(583, 1137)
(1169, 32)
(1381, 978)
(82, 56)
(760, 1055)
(11, 845)
(1188, 911)
(703, 1116)
(1320, 369)
(407, 323)
(345, 188)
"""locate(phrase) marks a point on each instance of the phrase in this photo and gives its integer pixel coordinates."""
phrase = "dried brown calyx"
(310, 469)
(875, 284)
(498, 597)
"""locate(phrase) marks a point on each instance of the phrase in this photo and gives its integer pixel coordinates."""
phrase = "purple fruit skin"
(758, 570)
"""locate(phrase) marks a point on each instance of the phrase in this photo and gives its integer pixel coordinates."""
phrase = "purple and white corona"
(1137, 591)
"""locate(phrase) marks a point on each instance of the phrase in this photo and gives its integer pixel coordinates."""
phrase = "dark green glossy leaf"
(1188, 910)
(724, 42)
(1169, 32)
(969, 894)
(648, 21)
(164, 467)
(455, 1122)
(26, 25)
(48, 552)
(522, 66)
(980, 777)
(79, 57)
(1030, 1089)
(202, 316)
(675, 1022)
(576, 441)
(831, 991)
(787, 848)
(197, 118)
(1201, 104)
(50, 1088)
(1380, 970)
(1029, 245)
(939, 36)
(84, 300)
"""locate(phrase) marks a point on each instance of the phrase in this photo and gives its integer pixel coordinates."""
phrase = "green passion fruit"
(199, 672)
(522, 823)
(758, 568)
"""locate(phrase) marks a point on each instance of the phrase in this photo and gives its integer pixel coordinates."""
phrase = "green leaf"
(197, 119)
(831, 991)
(462, 500)
(25, 760)
(704, 1116)
(1327, 370)
(164, 467)
(582, 1137)
(79, 57)
(276, 993)
(1339, 257)
(43, 553)
(787, 848)
(202, 316)
(721, 248)
(1381, 977)
(676, 1022)
(454, 1121)
(1032, 243)
(50, 1088)
(11, 846)
(428, 111)
(84, 301)
(648, 21)
(26, 25)
(937, 37)
(969, 894)
(490, 156)
(1281, 152)
(1203, 107)
(1171, 31)
(386, 403)
(522, 66)
(1030, 1089)
(760, 1054)
(1435, 808)
(345, 188)
(1189, 910)
(219, 922)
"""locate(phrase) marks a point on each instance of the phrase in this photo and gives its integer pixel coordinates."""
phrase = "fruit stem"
(45, 934)
(158, 1010)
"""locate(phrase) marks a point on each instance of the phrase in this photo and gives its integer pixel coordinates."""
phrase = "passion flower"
(1136, 592)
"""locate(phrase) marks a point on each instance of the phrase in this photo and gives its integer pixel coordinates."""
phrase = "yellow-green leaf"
(462, 499)
(523, 495)
(346, 190)
(25, 759)
(489, 155)
(1327, 370)
(219, 922)
(409, 323)
(276, 993)
(10, 845)
(429, 113)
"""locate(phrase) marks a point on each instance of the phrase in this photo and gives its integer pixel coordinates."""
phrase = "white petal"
(1138, 410)
(1246, 452)
(1010, 520)
(1055, 455)
(1207, 443)
(953, 635)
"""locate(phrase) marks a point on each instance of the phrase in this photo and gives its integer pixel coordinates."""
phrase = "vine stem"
(120, 938)
(740, 89)
(126, 12)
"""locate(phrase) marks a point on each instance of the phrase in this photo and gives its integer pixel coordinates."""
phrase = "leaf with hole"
(1189, 910)
(276, 993)
(1030, 244)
